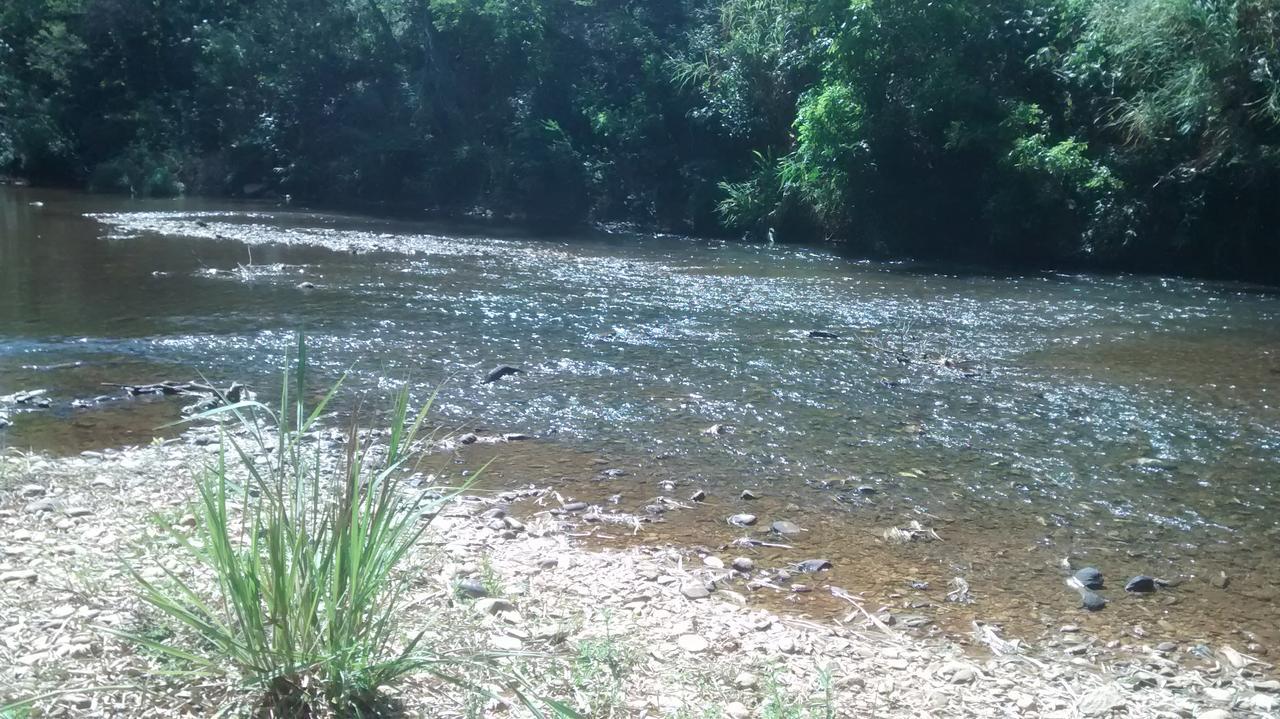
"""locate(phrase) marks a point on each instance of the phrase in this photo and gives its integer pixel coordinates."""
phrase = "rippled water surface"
(994, 401)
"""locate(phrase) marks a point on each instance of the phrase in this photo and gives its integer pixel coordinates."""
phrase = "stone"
(742, 520)
(468, 438)
(516, 437)
(698, 496)
(810, 566)
(823, 335)
(577, 506)
(736, 710)
(693, 643)
(1267, 685)
(48, 504)
(493, 605)
(473, 588)
(957, 673)
(507, 643)
(1166, 647)
(501, 371)
(1220, 580)
(748, 494)
(1141, 584)
(1090, 577)
(1092, 600)
(31, 491)
(1214, 714)
(1152, 463)
(1100, 701)
(18, 575)
(713, 562)
(1263, 702)
(694, 589)
(745, 680)
(1070, 628)
(743, 564)
(304, 285)
(785, 528)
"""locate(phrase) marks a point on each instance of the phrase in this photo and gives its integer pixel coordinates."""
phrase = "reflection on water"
(1003, 405)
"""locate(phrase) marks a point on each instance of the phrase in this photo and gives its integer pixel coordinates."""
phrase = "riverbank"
(640, 631)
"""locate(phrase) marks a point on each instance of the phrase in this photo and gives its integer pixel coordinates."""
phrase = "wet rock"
(823, 335)
(471, 588)
(717, 430)
(1089, 577)
(306, 285)
(918, 585)
(468, 438)
(695, 590)
(748, 494)
(1166, 647)
(516, 437)
(1091, 600)
(693, 643)
(785, 528)
(576, 506)
(698, 496)
(810, 566)
(1141, 584)
(1152, 463)
(801, 588)
(743, 564)
(1069, 628)
(742, 520)
(501, 371)
(1220, 580)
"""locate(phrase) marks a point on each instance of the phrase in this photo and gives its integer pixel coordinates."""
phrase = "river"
(1125, 421)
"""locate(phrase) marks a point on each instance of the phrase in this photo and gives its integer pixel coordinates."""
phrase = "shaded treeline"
(1139, 133)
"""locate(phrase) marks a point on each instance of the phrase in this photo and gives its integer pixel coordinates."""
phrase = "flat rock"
(736, 710)
(785, 528)
(693, 643)
(809, 566)
(748, 494)
(742, 520)
(574, 506)
(695, 590)
(1100, 701)
(18, 575)
(713, 562)
(493, 605)
(472, 588)
(1140, 584)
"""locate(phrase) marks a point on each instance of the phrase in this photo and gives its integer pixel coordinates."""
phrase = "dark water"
(1005, 411)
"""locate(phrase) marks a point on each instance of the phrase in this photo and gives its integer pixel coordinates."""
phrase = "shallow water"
(1004, 410)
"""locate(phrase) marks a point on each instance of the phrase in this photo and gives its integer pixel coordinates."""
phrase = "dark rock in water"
(472, 588)
(809, 566)
(1141, 584)
(785, 528)
(501, 371)
(743, 564)
(1092, 600)
(748, 494)
(574, 506)
(468, 438)
(697, 496)
(306, 285)
(1089, 577)
(821, 335)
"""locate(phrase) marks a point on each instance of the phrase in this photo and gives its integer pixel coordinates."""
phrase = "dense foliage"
(1141, 132)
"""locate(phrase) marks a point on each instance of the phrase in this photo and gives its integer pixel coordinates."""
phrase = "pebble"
(693, 643)
(713, 562)
(743, 564)
(1221, 580)
(1069, 628)
(1166, 647)
(695, 590)
(493, 605)
(742, 520)
(79, 512)
(574, 506)
(748, 494)
(809, 566)
(736, 710)
(745, 680)
(507, 643)
(1090, 577)
(785, 528)
(1141, 584)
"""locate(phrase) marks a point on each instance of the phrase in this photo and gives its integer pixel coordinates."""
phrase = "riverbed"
(1028, 419)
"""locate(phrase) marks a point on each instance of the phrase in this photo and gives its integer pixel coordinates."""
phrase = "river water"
(1131, 422)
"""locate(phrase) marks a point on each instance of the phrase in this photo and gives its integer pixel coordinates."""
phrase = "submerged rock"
(785, 528)
(501, 371)
(809, 566)
(1089, 577)
(1091, 600)
(1141, 584)
(823, 335)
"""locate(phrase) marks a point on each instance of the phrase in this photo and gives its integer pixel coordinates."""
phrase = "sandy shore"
(641, 632)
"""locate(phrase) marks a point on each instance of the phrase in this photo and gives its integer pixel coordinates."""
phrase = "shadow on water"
(1126, 421)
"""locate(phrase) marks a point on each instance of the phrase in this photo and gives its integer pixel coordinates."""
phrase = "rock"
(742, 520)
(18, 575)
(471, 588)
(745, 680)
(79, 512)
(1092, 600)
(748, 494)
(801, 588)
(1100, 701)
(823, 335)
(1141, 584)
(716, 430)
(1089, 577)
(957, 673)
(1220, 694)
(743, 564)
(516, 437)
(736, 710)
(697, 496)
(468, 438)
(31, 491)
(576, 506)
(694, 589)
(47, 504)
(493, 605)
(501, 371)
(809, 566)
(1166, 647)
(513, 524)
(306, 285)
(1263, 702)
(785, 528)
(1214, 714)
(1268, 685)
(1221, 581)
(713, 562)
(1152, 463)
(693, 643)
(507, 643)
(1070, 628)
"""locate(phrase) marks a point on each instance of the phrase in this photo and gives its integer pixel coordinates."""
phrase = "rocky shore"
(641, 631)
